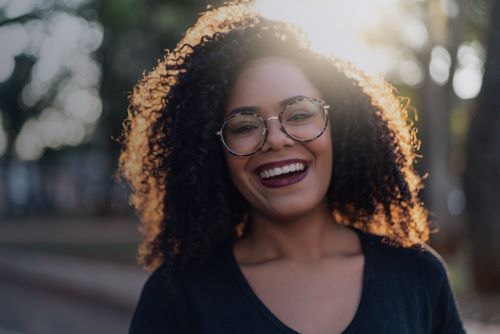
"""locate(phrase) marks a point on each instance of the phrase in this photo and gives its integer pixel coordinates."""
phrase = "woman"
(276, 191)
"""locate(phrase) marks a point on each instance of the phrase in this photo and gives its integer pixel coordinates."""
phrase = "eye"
(242, 129)
(243, 126)
(299, 115)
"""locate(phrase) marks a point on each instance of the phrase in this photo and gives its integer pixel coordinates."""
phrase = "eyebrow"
(281, 104)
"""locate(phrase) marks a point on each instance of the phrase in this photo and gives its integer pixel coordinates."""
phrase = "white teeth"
(282, 170)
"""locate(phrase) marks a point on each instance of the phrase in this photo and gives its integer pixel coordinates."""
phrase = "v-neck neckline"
(368, 276)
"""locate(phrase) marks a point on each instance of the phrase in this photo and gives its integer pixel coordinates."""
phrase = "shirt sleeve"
(445, 313)
(162, 308)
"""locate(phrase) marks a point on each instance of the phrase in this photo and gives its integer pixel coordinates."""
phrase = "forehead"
(264, 82)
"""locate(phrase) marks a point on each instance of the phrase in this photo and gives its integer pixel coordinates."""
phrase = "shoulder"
(160, 284)
(176, 303)
(162, 305)
(169, 301)
(415, 276)
(419, 262)
(174, 285)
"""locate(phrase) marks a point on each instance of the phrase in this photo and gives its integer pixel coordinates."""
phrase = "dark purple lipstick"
(282, 180)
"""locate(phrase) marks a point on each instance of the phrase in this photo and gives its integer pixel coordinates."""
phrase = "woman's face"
(262, 84)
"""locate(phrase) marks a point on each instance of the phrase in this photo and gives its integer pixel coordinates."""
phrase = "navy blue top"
(405, 290)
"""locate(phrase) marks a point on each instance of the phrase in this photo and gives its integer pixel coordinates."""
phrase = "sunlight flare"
(336, 28)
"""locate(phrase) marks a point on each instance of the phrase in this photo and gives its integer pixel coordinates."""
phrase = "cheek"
(237, 170)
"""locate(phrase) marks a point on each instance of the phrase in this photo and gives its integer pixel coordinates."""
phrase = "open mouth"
(284, 175)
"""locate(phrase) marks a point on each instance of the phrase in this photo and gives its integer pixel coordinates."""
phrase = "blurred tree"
(437, 99)
(51, 49)
(482, 179)
(137, 33)
(438, 40)
(65, 72)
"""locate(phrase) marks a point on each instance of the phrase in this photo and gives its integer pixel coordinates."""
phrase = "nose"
(277, 139)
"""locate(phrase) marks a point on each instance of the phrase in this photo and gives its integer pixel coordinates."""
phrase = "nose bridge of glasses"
(278, 124)
(276, 135)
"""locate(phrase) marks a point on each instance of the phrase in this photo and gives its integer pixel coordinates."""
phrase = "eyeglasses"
(303, 119)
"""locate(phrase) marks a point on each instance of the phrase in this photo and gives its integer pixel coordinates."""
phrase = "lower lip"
(278, 183)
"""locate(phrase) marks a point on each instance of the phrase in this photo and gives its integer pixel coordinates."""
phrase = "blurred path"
(26, 309)
(74, 276)
(64, 230)
(107, 283)
(57, 294)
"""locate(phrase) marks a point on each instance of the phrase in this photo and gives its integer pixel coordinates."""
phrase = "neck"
(305, 238)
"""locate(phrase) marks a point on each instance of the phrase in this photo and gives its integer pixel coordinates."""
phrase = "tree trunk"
(482, 178)
(437, 103)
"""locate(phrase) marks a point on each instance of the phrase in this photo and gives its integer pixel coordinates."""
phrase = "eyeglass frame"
(324, 107)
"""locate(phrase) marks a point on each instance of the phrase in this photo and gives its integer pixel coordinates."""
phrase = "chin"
(290, 209)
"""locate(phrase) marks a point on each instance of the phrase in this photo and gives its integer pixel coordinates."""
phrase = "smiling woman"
(276, 191)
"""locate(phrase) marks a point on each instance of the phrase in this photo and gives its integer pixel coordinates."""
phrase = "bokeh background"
(67, 234)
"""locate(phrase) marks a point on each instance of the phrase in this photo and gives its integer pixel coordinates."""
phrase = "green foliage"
(123, 14)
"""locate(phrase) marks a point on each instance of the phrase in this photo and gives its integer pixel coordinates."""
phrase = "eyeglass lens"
(302, 120)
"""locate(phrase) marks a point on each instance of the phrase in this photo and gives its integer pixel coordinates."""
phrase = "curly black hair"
(175, 163)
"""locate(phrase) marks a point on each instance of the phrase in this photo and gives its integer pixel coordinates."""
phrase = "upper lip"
(281, 163)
